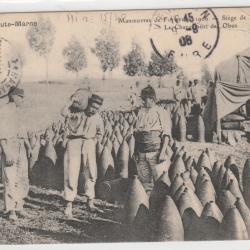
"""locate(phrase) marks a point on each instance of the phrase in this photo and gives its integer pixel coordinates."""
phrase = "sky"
(232, 37)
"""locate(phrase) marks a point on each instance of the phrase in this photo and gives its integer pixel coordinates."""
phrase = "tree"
(206, 75)
(41, 39)
(107, 51)
(161, 66)
(134, 61)
(75, 57)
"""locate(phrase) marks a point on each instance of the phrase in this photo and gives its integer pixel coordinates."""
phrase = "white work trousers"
(79, 151)
(15, 177)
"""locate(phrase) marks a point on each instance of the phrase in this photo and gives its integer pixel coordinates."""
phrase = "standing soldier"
(151, 131)
(189, 95)
(179, 95)
(14, 161)
(132, 97)
(178, 91)
(84, 127)
(189, 91)
(196, 92)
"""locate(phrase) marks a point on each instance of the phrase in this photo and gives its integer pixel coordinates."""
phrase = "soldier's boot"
(92, 207)
(22, 214)
(12, 216)
(68, 210)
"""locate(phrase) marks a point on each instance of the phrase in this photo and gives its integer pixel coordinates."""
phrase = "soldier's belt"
(148, 141)
(72, 137)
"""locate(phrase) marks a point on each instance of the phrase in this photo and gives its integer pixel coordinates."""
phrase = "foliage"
(41, 37)
(206, 75)
(75, 56)
(134, 61)
(107, 50)
(160, 66)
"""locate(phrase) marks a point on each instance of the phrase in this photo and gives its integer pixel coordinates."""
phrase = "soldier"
(151, 131)
(196, 92)
(189, 96)
(189, 91)
(14, 160)
(84, 127)
(178, 91)
(132, 96)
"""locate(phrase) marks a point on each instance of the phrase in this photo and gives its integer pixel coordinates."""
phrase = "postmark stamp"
(185, 33)
(10, 67)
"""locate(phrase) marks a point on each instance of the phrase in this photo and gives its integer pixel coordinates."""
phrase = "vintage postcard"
(125, 126)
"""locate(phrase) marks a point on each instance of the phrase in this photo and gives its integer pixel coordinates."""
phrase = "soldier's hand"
(73, 98)
(9, 160)
(42, 140)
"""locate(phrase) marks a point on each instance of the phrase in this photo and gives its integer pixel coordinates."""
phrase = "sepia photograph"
(125, 126)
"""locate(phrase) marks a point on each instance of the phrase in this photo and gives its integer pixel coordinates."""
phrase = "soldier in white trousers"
(14, 162)
(84, 128)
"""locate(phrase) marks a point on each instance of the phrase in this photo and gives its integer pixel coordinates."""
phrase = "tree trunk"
(110, 74)
(160, 82)
(47, 68)
(103, 76)
(77, 76)
(138, 77)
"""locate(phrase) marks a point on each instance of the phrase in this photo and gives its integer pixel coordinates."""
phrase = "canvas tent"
(230, 91)
(223, 98)
(236, 69)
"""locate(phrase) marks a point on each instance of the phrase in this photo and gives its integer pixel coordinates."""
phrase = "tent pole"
(218, 130)
(218, 122)
(238, 74)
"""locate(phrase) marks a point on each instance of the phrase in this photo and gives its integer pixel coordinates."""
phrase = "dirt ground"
(46, 222)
